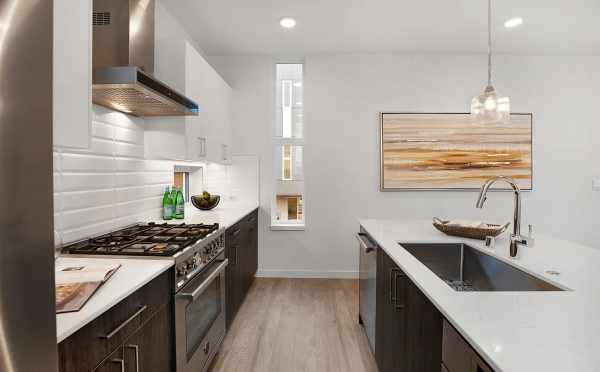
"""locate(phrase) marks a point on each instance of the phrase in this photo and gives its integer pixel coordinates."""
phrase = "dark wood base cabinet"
(458, 355)
(241, 248)
(133, 336)
(411, 334)
(408, 335)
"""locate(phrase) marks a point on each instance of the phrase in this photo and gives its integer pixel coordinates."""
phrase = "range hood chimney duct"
(123, 62)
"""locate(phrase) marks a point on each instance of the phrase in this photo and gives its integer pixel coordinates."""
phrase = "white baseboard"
(307, 274)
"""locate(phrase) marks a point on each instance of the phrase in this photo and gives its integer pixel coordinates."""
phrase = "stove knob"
(181, 271)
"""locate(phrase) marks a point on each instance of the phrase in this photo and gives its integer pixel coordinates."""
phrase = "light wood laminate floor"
(293, 325)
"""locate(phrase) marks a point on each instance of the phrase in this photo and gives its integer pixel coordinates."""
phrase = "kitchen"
(318, 250)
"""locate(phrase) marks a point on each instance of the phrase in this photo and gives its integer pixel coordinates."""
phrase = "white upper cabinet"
(213, 95)
(72, 69)
(205, 137)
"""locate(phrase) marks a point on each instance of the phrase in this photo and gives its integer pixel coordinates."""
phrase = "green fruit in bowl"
(205, 202)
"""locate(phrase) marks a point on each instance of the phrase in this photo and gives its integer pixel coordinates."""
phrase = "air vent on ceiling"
(101, 18)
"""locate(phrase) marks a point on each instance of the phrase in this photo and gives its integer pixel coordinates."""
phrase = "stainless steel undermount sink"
(465, 268)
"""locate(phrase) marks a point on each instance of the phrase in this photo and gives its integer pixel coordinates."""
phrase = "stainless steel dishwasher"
(367, 285)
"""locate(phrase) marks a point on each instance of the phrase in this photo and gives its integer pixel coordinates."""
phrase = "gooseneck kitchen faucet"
(516, 238)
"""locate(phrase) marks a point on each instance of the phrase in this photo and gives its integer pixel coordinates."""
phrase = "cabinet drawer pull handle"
(399, 275)
(236, 232)
(392, 287)
(127, 321)
(136, 348)
(121, 362)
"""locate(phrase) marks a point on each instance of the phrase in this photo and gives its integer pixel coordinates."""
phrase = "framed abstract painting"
(449, 151)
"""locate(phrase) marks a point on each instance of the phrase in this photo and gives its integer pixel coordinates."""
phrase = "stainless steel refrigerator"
(27, 315)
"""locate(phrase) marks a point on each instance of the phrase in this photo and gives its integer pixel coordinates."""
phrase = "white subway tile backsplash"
(139, 206)
(88, 199)
(114, 118)
(72, 235)
(83, 217)
(104, 131)
(158, 165)
(129, 165)
(56, 181)
(86, 181)
(87, 163)
(56, 161)
(140, 192)
(157, 178)
(58, 202)
(110, 185)
(129, 135)
(128, 149)
(101, 146)
(129, 179)
(57, 221)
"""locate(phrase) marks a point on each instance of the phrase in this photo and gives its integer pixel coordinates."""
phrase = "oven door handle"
(196, 293)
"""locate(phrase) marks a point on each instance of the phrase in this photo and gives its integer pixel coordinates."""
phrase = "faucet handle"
(530, 231)
(490, 242)
(528, 240)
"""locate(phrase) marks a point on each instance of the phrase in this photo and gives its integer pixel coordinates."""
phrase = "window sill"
(288, 227)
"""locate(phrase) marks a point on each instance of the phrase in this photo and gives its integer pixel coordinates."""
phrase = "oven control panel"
(205, 252)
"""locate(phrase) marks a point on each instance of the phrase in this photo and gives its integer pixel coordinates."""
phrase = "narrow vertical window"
(287, 211)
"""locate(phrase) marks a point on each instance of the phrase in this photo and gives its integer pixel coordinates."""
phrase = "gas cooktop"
(150, 239)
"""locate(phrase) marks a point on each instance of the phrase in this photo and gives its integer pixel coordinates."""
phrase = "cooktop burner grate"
(144, 240)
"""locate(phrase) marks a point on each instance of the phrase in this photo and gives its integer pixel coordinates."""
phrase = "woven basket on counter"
(468, 231)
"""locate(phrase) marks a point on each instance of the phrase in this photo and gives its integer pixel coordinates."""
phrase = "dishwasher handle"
(365, 242)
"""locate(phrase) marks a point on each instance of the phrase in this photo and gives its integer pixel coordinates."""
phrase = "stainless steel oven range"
(198, 252)
(200, 317)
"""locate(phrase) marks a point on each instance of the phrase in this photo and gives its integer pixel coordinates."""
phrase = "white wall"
(343, 96)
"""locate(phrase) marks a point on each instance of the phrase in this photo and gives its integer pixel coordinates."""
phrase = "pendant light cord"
(489, 43)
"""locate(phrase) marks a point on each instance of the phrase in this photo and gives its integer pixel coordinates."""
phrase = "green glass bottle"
(174, 198)
(179, 205)
(168, 205)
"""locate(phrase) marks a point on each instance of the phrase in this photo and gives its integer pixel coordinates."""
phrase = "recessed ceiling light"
(513, 22)
(287, 22)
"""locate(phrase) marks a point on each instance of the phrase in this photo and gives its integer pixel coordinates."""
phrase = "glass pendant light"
(489, 107)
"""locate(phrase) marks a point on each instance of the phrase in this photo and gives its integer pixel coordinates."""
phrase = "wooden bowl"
(479, 233)
(196, 202)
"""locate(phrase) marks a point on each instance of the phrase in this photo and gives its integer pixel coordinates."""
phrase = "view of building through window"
(288, 203)
(289, 208)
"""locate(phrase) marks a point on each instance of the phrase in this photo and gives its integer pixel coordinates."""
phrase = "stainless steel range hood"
(123, 62)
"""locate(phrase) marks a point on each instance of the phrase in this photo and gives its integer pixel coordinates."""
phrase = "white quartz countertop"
(131, 276)
(225, 214)
(513, 331)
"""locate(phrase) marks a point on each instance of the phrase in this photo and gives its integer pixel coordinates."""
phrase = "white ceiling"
(354, 26)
